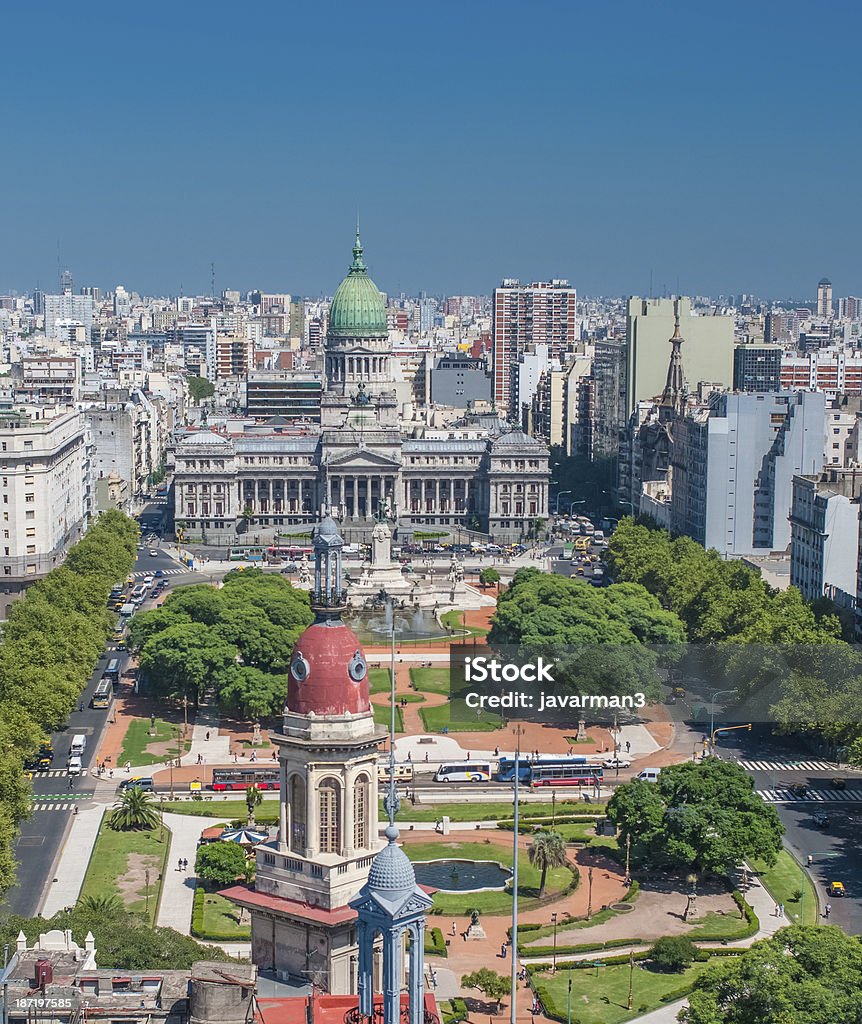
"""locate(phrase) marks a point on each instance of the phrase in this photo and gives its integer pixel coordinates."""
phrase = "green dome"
(358, 309)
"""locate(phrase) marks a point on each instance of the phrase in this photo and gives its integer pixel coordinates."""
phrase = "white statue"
(304, 571)
(381, 539)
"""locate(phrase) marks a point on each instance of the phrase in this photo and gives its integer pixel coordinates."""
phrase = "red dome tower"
(328, 672)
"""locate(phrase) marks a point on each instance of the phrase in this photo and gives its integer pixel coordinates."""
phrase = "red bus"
(288, 552)
(239, 778)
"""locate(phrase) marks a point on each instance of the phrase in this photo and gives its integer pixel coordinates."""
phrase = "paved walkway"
(178, 890)
(70, 871)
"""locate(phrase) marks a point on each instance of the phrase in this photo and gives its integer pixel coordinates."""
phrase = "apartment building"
(824, 525)
(44, 476)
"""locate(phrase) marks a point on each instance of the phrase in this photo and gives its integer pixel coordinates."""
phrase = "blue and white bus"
(464, 771)
(548, 770)
(112, 672)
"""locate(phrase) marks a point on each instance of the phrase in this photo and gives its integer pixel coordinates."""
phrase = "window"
(360, 813)
(31, 549)
(297, 814)
(31, 531)
(330, 825)
(30, 514)
(29, 498)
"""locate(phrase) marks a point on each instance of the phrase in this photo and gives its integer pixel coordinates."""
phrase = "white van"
(74, 766)
(79, 745)
(649, 774)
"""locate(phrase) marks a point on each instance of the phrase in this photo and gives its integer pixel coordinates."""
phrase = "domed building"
(476, 473)
(302, 925)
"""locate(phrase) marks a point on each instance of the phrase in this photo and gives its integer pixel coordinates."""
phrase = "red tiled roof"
(251, 898)
(326, 1009)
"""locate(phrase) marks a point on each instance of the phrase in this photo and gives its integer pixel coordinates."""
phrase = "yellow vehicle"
(582, 543)
(130, 581)
(837, 889)
(118, 605)
(580, 571)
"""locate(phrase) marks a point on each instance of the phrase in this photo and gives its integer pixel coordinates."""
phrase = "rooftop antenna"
(212, 280)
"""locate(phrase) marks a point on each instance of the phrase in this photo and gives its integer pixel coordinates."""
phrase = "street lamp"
(590, 893)
(717, 693)
(554, 955)
(557, 501)
(580, 501)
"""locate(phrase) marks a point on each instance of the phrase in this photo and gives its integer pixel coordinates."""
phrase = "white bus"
(403, 771)
(464, 771)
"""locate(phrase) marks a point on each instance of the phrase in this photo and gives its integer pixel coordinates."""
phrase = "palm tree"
(134, 811)
(103, 905)
(547, 850)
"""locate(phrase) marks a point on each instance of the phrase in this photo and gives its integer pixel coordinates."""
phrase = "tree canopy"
(596, 637)
(800, 975)
(220, 862)
(200, 388)
(236, 640)
(51, 641)
(703, 816)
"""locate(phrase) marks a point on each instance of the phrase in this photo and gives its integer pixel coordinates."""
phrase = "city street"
(54, 799)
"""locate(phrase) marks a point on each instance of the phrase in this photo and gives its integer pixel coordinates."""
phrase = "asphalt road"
(54, 795)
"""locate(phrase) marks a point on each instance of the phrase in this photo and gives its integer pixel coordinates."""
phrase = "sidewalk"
(74, 859)
(178, 888)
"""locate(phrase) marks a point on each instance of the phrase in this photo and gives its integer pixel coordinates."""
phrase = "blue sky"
(714, 146)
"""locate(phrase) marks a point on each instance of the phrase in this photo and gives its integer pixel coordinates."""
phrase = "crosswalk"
(54, 773)
(141, 574)
(54, 805)
(786, 796)
(787, 766)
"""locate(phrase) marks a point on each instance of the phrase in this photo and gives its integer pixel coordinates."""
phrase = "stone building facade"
(479, 474)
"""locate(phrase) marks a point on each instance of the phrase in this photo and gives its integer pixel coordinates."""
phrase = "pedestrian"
(781, 909)
(468, 755)
(777, 910)
(454, 929)
(503, 951)
(253, 756)
(70, 782)
(409, 756)
(80, 705)
(75, 809)
(185, 864)
(111, 773)
(180, 864)
(426, 756)
(128, 766)
(496, 751)
(810, 860)
(628, 746)
(208, 734)
(828, 909)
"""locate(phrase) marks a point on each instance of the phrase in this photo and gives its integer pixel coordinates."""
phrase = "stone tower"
(302, 925)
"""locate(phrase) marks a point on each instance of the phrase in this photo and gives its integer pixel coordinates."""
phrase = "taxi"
(837, 889)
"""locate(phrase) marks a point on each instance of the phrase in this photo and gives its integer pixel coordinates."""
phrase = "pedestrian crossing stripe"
(139, 575)
(788, 766)
(781, 796)
(52, 805)
(55, 773)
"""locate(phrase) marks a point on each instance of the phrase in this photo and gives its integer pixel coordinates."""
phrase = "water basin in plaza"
(462, 875)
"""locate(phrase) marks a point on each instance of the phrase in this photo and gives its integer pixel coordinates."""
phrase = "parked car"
(291, 567)
(137, 782)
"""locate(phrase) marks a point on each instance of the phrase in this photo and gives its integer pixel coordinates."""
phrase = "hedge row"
(435, 943)
(197, 929)
(523, 950)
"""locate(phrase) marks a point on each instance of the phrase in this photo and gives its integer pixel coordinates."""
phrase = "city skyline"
(475, 147)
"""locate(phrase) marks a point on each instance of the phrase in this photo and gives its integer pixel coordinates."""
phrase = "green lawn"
(603, 999)
(221, 920)
(719, 926)
(383, 716)
(430, 680)
(455, 620)
(137, 741)
(497, 902)
(783, 881)
(224, 810)
(468, 810)
(436, 719)
(379, 680)
(118, 864)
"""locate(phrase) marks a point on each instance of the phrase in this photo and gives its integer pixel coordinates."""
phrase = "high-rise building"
(68, 307)
(757, 367)
(544, 312)
(824, 527)
(649, 324)
(733, 462)
(850, 308)
(824, 297)
(67, 282)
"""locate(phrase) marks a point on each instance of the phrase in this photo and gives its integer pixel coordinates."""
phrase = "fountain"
(462, 875)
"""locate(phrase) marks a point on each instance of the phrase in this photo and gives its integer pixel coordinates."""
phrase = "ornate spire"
(358, 264)
(673, 396)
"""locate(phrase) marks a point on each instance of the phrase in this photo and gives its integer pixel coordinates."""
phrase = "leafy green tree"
(184, 659)
(220, 863)
(134, 811)
(703, 816)
(200, 388)
(253, 694)
(673, 953)
(547, 849)
(123, 939)
(104, 904)
(489, 577)
(201, 603)
(145, 625)
(489, 983)
(800, 975)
